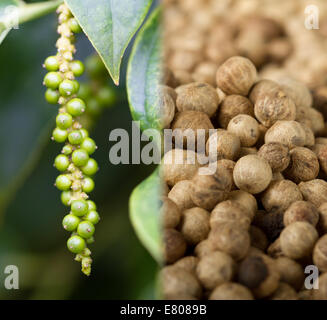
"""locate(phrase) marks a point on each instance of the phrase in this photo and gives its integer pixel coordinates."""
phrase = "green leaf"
(143, 74)
(110, 26)
(15, 12)
(144, 213)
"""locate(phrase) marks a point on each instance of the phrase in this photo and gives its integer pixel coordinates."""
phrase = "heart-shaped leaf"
(15, 12)
(144, 213)
(144, 72)
(110, 26)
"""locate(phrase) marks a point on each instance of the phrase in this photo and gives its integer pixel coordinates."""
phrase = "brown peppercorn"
(166, 106)
(314, 191)
(169, 213)
(246, 199)
(321, 292)
(258, 273)
(252, 174)
(316, 120)
(271, 223)
(297, 239)
(290, 272)
(280, 195)
(321, 152)
(174, 245)
(207, 190)
(232, 106)
(276, 154)
(177, 282)
(195, 225)
(188, 263)
(273, 106)
(214, 269)
(229, 165)
(236, 76)
(230, 238)
(322, 224)
(246, 128)
(246, 151)
(284, 292)
(230, 211)
(309, 136)
(274, 250)
(181, 194)
(289, 133)
(301, 211)
(223, 145)
(304, 165)
(203, 248)
(320, 254)
(205, 72)
(231, 291)
(178, 164)
(261, 88)
(197, 96)
(258, 238)
(186, 124)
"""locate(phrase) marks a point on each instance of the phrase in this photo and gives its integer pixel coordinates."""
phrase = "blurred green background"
(31, 235)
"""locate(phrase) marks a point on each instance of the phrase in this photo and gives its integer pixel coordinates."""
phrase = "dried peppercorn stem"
(75, 163)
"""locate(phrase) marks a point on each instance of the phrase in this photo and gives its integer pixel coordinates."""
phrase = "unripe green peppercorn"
(84, 91)
(52, 80)
(70, 222)
(88, 185)
(67, 88)
(90, 168)
(64, 120)
(92, 216)
(74, 25)
(61, 162)
(93, 107)
(77, 85)
(77, 67)
(90, 240)
(75, 107)
(52, 96)
(79, 208)
(66, 197)
(88, 145)
(92, 206)
(94, 66)
(85, 229)
(63, 182)
(76, 244)
(51, 63)
(67, 150)
(106, 96)
(80, 157)
(84, 133)
(59, 135)
(75, 137)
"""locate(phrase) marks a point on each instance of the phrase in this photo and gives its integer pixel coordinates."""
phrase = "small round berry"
(84, 91)
(90, 240)
(92, 205)
(93, 107)
(85, 229)
(70, 222)
(79, 208)
(77, 85)
(75, 137)
(88, 145)
(74, 25)
(67, 150)
(106, 96)
(59, 135)
(88, 185)
(95, 67)
(90, 168)
(61, 162)
(52, 96)
(66, 197)
(52, 80)
(75, 107)
(63, 182)
(80, 157)
(76, 244)
(64, 120)
(84, 133)
(92, 216)
(77, 67)
(67, 88)
(51, 63)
